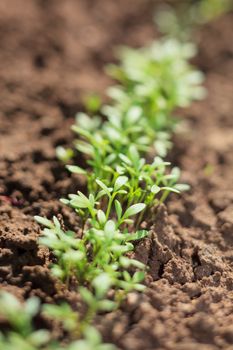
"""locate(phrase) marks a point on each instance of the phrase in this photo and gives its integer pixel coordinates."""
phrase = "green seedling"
(64, 314)
(127, 126)
(101, 250)
(153, 82)
(20, 317)
(69, 250)
(70, 320)
(160, 77)
(141, 182)
(122, 185)
(181, 20)
(23, 335)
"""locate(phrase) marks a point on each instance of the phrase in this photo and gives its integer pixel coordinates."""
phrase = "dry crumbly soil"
(51, 54)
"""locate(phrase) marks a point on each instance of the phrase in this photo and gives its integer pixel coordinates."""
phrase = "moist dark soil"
(51, 54)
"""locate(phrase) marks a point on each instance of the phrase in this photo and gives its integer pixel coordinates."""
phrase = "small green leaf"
(118, 209)
(125, 159)
(176, 173)
(155, 189)
(102, 284)
(64, 154)
(79, 202)
(84, 147)
(134, 114)
(93, 337)
(100, 194)
(57, 271)
(39, 338)
(124, 261)
(120, 181)
(76, 169)
(133, 152)
(56, 222)
(138, 264)
(138, 276)
(91, 199)
(139, 287)
(73, 256)
(122, 192)
(101, 217)
(65, 201)
(170, 189)
(161, 148)
(110, 227)
(86, 295)
(32, 306)
(110, 158)
(106, 189)
(137, 235)
(122, 249)
(134, 209)
(106, 305)
(126, 276)
(43, 221)
(182, 187)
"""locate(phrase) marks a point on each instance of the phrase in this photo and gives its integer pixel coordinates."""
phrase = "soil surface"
(51, 54)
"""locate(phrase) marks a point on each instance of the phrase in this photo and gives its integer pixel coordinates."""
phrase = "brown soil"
(51, 53)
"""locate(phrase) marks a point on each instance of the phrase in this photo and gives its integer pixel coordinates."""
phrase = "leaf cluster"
(122, 184)
(181, 20)
(24, 336)
(153, 81)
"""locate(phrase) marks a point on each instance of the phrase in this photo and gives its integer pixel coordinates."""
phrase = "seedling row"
(124, 144)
